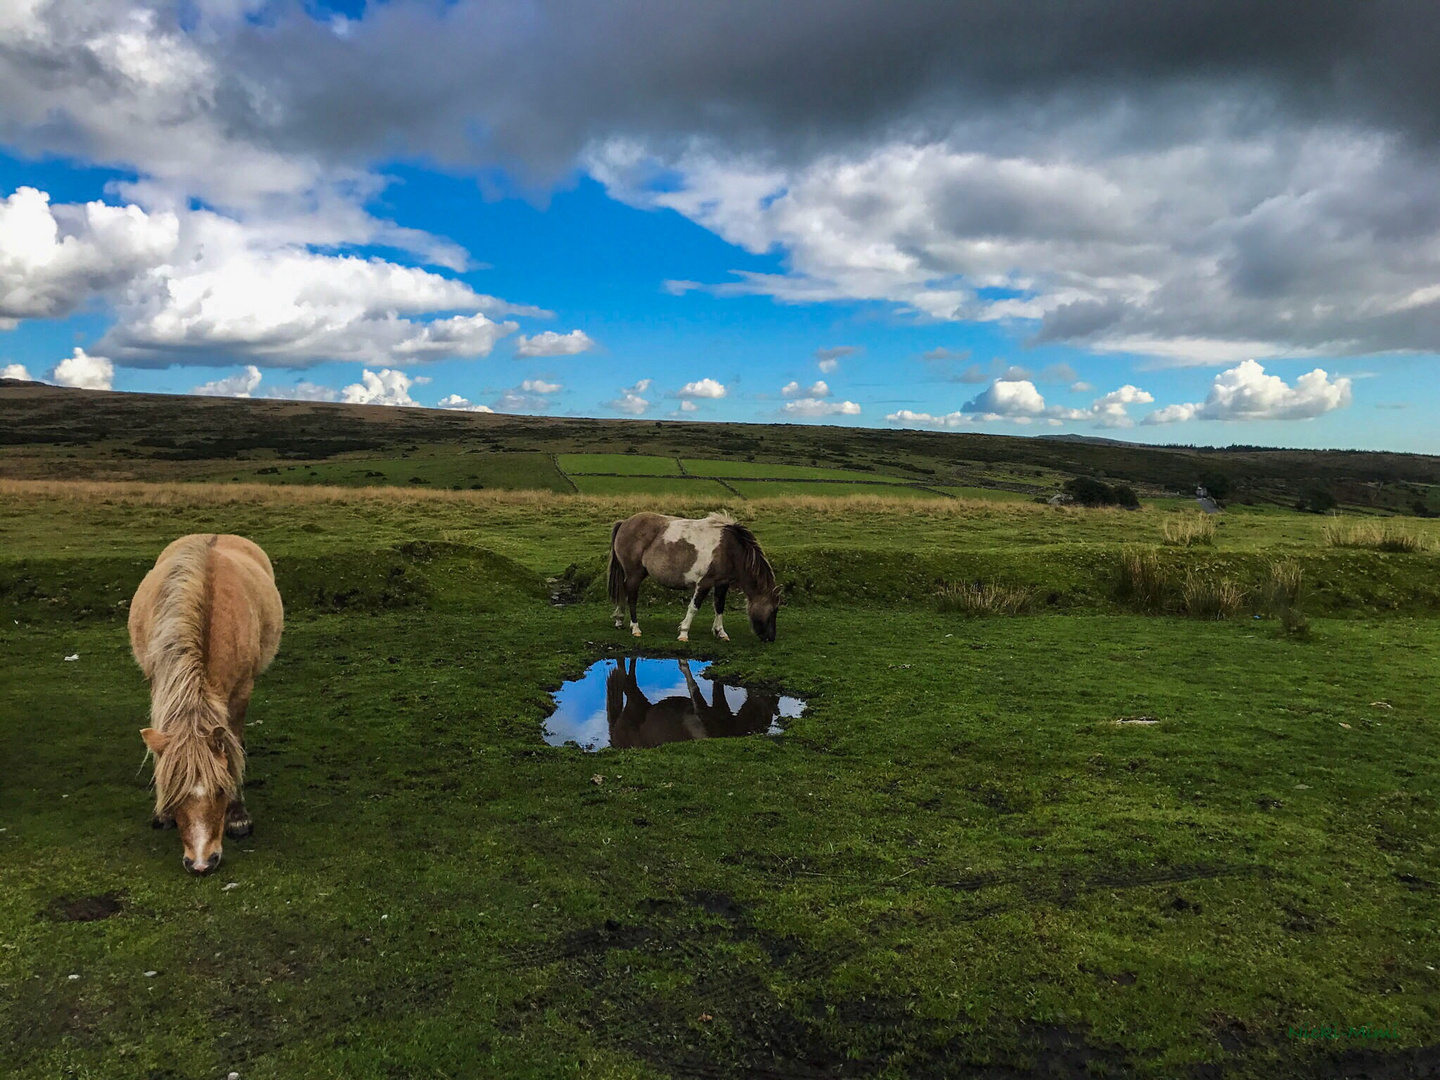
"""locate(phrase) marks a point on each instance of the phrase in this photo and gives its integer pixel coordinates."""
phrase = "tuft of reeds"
(1384, 535)
(1283, 598)
(986, 598)
(1142, 581)
(1189, 530)
(1208, 597)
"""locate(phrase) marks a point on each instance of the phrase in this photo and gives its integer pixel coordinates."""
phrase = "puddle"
(637, 701)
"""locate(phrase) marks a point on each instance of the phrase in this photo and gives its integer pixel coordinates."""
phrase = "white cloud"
(1080, 388)
(84, 372)
(827, 366)
(540, 386)
(459, 404)
(688, 406)
(630, 399)
(532, 395)
(15, 371)
(54, 259)
(818, 389)
(550, 343)
(1017, 401)
(302, 391)
(1205, 246)
(1245, 392)
(810, 406)
(702, 388)
(242, 385)
(387, 387)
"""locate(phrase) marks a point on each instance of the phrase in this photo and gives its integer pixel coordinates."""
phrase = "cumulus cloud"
(688, 407)
(54, 259)
(550, 343)
(1020, 402)
(84, 372)
(302, 391)
(1246, 392)
(15, 371)
(812, 407)
(242, 385)
(630, 399)
(818, 389)
(532, 395)
(386, 387)
(702, 388)
(540, 386)
(457, 403)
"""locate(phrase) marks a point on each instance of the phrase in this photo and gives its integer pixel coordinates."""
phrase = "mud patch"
(637, 702)
(87, 908)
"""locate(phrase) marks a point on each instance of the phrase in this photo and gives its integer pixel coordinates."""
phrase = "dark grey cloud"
(531, 81)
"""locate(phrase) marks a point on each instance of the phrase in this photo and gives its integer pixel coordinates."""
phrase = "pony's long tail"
(617, 572)
(182, 704)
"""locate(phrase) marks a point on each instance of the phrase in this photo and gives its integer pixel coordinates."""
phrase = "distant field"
(651, 485)
(751, 469)
(985, 493)
(446, 469)
(770, 489)
(621, 464)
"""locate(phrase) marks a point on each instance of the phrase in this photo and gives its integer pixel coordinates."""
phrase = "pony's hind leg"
(632, 595)
(619, 616)
(694, 606)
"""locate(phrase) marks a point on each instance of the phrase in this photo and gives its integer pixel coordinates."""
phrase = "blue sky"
(1212, 284)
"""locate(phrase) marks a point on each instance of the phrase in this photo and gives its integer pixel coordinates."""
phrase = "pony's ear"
(155, 739)
(217, 739)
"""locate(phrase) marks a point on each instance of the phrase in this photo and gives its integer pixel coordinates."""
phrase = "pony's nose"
(201, 869)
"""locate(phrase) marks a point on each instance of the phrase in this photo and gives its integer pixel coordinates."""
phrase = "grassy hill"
(52, 433)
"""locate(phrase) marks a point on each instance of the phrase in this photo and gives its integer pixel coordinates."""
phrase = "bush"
(1317, 501)
(1217, 485)
(1143, 582)
(980, 598)
(1375, 535)
(1212, 598)
(1283, 598)
(1189, 530)
(1090, 492)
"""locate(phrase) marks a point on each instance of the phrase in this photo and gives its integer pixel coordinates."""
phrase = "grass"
(1283, 597)
(742, 470)
(953, 856)
(1383, 535)
(1208, 597)
(650, 485)
(428, 467)
(1189, 530)
(781, 489)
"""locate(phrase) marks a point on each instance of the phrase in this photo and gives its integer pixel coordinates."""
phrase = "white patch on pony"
(689, 618)
(719, 627)
(704, 535)
(198, 791)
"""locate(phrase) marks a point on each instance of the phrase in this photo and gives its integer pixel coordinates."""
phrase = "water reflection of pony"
(692, 553)
(205, 621)
(635, 721)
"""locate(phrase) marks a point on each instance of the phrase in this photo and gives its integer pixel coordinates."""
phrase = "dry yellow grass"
(1381, 535)
(1188, 530)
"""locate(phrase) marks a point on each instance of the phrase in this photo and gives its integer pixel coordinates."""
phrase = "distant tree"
(1318, 501)
(1125, 496)
(1218, 485)
(1087, 491)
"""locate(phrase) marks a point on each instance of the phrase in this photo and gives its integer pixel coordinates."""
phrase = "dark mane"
(757, 576)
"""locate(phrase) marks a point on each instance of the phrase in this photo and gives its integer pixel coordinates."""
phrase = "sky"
(1209, 223)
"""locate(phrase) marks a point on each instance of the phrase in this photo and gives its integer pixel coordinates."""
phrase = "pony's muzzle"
(201, 869)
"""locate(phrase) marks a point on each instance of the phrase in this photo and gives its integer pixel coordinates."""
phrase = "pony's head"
(762, 607)
(194, 785)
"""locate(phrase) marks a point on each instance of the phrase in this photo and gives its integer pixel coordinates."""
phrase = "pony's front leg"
(694, 606)
(719, 624)
(237, 819)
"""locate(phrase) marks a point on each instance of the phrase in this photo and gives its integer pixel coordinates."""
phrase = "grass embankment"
(964, 854)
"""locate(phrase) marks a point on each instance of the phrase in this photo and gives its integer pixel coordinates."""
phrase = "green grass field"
(650, 485)
(751, 469)
(619, 464)
(773, 489)
(956, 860)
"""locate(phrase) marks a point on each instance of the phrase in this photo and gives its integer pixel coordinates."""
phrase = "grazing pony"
(635, 721)
(205, 621)
(693, 553)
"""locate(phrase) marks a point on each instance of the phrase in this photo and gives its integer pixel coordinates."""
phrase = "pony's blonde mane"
(182, 704)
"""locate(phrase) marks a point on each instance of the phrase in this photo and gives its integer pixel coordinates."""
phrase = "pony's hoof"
(635, 631)
(683, 636)
(722, 635)
(239, 828)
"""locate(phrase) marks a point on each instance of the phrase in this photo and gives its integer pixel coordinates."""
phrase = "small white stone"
(233, 1076)
(230, 885)
(151, 974)
(72, 977)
